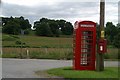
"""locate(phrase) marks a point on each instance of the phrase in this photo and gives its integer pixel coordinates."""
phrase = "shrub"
(18, 42)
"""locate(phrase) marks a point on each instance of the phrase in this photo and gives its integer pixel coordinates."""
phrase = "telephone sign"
(84, 45)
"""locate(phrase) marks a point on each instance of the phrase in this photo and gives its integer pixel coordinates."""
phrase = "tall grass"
(50, 53)
(38, 53)
(112, 53)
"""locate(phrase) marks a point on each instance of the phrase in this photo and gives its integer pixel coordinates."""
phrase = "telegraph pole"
(100, 56)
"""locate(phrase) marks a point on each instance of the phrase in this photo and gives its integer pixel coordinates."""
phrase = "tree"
(67, 29)
(42, 20)
(5, 20)
(56, 26)
(111, 31)
(11, 28)
(118, 27)
(43, 29)
(23, 24)
(61, 24)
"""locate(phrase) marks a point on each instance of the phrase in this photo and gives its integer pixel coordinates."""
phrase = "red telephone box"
(84, 45)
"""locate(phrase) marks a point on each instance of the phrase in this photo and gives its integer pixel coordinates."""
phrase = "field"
(36, 41)
(37, 47)
(43, 47)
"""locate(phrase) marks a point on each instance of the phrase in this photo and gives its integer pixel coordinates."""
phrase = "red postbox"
(84, 45)
(102, 46)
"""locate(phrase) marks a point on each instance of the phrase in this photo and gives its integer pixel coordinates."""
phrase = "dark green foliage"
(27, 31)
(15, 25)
(116, 41)
(56, 27)
(43, 30)
(18, 42)
(11, 28)
(25, 24)
(111, 31)
(67, 29)
(21, 44)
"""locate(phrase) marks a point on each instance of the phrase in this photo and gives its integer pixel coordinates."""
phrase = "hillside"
(36, 41)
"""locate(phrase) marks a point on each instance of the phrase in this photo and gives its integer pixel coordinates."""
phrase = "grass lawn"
(67, 72)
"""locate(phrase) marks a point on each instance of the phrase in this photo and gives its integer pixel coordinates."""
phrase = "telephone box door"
(87, 50)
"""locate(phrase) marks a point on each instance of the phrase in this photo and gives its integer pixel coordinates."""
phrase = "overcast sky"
(69, 10)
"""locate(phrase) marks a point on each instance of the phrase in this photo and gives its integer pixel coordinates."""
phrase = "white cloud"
(59, 9)
(31, 2)
(21, 2)
(48, 2)
(111, 12)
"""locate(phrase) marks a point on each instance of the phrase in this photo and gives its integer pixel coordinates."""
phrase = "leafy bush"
(18, 42)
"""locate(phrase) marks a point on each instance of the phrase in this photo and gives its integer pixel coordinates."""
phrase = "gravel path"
(25, 68)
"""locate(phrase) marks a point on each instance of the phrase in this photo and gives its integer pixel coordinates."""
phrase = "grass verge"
(67, 72)
(0, 55)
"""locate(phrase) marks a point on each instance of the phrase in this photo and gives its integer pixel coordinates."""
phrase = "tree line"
(15, 25)
(43, 27)
(48, 27)
(54, 28)
(112, 34)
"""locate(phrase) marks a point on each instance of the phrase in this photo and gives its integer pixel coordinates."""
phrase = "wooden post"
(100, 56)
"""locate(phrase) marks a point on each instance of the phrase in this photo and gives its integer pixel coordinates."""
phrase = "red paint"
(84, 45)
